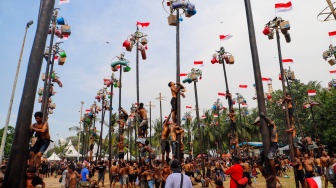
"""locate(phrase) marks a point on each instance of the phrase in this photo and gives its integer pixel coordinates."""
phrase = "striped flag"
(287, 61)
(314, 182)
(63, 2)
(333, 72)
(332, 34)
(265, 79)
(199, 63)
(225, 37)
(311, 92)
(143, 24)
(221, 94)
(203, 117)
(87, 111)
(189, 107)
(283, 7)
(55, 58)
(243, 86)
(183, 74)
(215, 115)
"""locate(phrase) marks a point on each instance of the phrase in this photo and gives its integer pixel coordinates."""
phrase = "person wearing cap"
(177, 179)
(236, 172)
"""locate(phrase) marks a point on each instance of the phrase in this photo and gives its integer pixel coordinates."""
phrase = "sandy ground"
(52, 182)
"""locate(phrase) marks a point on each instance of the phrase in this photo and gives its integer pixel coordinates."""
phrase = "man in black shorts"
(101, 172)
(174, 91)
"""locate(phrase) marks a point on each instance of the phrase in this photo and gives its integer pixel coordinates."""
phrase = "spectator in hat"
(236, 172)
(175, 179)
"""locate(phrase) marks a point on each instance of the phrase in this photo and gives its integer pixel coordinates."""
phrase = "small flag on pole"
(183, 74)
(287, 61)
(225, 37)
(87, 111)
(332, 34)
(63, 2)
(215, 115)
(265, 79)
(221, 94)
(189, 107)
(143, 24)
(311, 92)
(55, 58)
(333, 72)
(283, 7)
(203, 117)
(243, 86)
(166, 117)
(199, 63)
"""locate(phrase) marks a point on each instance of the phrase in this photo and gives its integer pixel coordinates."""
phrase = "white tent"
(130, 157)
(54, 157)
(71, 151)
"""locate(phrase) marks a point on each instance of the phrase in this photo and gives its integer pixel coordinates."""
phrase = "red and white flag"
(143, 24)
(215, 115)
(166, 117)
(87, 111)
(65, 37)
(189, 107)
(198, 63)
(221, 94)
(55, 58)
(203, 117)
(332, 34)
(314, 182)
(311, 92)
(287, 61)
(243, 86)
(183, 74)
(283, 7)
(244, 104)
(225, 37)
(63, 2)
(333, 72)
(265, 79)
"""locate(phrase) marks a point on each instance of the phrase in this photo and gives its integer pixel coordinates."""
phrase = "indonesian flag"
(332, 34)
(203, 117)
(333, 72)
(244, 104)
(198, 63)
(63, 2)
(243, 86)
(55, 58)
(314, 182)
(287, 61)
(87, 111)
(65, 37)
(311, 92)
(265, 79)
(189, 107)
(215, 115)
(166, 117)
(221, 94)
(143, 24)
(225, 37)
(183, 74)
(283, 7)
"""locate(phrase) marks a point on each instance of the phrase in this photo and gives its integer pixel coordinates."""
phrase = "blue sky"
(89, 56)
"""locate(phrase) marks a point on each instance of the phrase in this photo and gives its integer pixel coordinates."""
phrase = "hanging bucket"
(107, 81)
(65, 30)
(60, 21)
(144, 41)
(127, 69)
(61, 60)
(128, 45)
(266, 31)
(231, 60)
(62, 54)
(172, 20)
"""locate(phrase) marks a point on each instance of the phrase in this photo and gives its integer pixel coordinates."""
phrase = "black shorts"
(132, 178)
(300, 175)
(91, 147)
(173, 103)
(291, 112)
(309, 174)
(40, 146)
(121, 155)
(165, 147)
